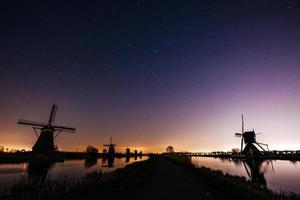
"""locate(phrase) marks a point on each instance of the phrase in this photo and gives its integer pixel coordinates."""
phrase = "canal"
(12, 173)
(276, 174)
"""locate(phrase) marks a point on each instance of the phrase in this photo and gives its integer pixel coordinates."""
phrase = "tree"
(91, 149)
(170, 149)
(235, 150)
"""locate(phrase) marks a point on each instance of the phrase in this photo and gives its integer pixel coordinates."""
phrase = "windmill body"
(252, 147)
(249, 137)
(250, 141)
(48, 131)
(111, 148)
(45, 142)
(127, 151)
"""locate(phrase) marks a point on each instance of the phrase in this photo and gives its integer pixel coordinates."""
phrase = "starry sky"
(151, 73)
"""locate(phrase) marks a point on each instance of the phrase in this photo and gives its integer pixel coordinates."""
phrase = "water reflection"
(11, 173)
(38, 170)
(286, 178)
(237, 162)
(294, 162)
(90, 162)
(127, 159)
(108, 162)
(254, 171)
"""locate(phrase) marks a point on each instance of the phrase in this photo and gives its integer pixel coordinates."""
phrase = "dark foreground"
(156, 178)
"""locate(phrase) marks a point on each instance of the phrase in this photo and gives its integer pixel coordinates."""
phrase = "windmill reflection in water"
(108, 162)
(256, 170)
(37, 170)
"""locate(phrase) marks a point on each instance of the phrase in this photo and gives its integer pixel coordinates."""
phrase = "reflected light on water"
(10, 173)
(285, 176)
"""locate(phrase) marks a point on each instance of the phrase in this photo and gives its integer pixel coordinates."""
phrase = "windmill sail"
(45, 141)
(32, 123)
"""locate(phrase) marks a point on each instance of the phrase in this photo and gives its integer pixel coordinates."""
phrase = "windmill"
(111, 147)
(128, 151)
(251, 145)
(48, 132)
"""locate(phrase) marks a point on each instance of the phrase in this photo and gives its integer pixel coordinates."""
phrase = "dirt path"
(171, 181)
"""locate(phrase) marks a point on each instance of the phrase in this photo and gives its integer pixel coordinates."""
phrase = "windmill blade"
(242, 123)
(64, 129)
(238, 135)
(242, 143)
(32, 123)
(53, 114)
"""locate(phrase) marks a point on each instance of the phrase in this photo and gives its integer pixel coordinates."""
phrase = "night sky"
(151, 73)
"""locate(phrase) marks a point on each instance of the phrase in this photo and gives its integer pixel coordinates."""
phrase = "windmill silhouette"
(45, 140)
(252, 147)
(128, 153)
(111, 147)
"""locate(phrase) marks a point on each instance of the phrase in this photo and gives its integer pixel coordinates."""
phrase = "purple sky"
(152, 74)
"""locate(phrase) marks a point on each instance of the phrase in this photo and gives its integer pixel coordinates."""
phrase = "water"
(276, 175)
(12, 173)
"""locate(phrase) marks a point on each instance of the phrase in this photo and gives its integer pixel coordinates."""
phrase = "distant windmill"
(127, 151)
(249, 138)
(45, 141)
(111, 147)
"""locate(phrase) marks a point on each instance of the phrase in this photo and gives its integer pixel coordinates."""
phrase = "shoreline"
(21, 157)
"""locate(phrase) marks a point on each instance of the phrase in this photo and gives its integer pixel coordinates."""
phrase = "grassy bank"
(114, 185)
(224, 186)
